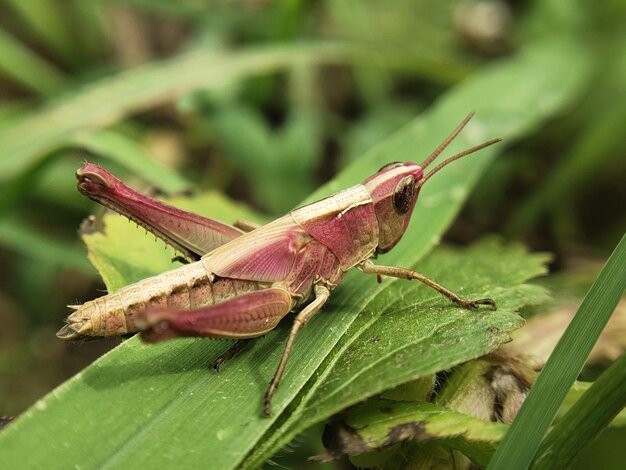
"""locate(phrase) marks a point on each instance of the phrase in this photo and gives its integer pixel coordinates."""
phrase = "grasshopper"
(244, 279)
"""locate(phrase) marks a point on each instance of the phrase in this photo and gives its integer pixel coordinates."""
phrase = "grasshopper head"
(394, 189)
(394, 192)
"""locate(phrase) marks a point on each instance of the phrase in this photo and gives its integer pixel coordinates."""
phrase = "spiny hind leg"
(370, 268)
(246, 316)
(190, 234)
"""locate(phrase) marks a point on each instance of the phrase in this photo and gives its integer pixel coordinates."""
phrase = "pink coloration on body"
(189, 233)
(265, 255)
(345, 223)
(246, 316)
(244, 283)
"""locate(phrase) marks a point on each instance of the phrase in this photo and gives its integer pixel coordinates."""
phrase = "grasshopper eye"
(389, 165)
(403, 195)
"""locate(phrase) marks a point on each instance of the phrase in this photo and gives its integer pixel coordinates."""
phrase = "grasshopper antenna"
(447, 161)
(445, 143)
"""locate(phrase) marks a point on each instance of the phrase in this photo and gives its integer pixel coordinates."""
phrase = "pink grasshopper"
(241, 284)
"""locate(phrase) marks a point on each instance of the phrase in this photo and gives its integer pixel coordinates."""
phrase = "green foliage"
(564, 365)
(380, 423)
(107, 101)
(264, 101)
(330, 375)
(586, 419)
(179, 393)
(288, 156)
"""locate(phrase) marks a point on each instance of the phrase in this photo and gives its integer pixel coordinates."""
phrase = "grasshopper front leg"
(370, 268)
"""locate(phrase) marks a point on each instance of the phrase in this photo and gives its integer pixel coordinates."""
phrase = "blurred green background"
(265, 101)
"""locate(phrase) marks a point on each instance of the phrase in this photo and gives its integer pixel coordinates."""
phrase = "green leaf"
(402, 321)
(377, 424)
(124, 253)
(141, 405)
(565, 363)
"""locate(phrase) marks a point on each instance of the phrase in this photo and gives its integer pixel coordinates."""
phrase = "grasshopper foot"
(474, 304)
(267, 399)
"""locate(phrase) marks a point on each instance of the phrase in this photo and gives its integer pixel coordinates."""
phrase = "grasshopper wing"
(267, 254)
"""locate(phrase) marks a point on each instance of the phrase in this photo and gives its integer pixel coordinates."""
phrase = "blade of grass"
(93, 33)
(106, 144)
(109, 100)
(45, 18)
(523, 439)
(26, 68)
(585, 420)
(23, 239)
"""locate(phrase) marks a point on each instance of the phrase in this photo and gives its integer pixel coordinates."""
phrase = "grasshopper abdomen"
(185, 288)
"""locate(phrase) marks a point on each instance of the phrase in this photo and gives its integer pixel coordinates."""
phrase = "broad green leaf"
(405, 331)
(124, 253)
(141, 405)
(565, 363)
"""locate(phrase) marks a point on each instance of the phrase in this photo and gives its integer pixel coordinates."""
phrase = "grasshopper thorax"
(394, 189)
